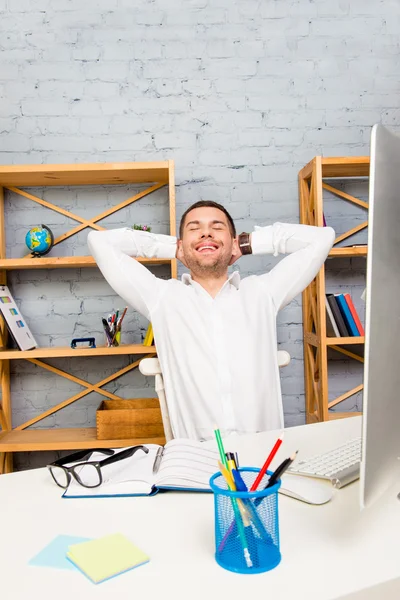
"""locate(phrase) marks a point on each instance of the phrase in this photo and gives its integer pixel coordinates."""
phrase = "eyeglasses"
(87, 473)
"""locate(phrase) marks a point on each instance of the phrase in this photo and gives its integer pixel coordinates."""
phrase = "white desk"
(327, 551)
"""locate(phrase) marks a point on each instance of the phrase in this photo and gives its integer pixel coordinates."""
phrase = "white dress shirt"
(218, 355)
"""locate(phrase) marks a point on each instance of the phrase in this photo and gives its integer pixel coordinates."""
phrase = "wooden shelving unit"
(316, 342)
(15, 177)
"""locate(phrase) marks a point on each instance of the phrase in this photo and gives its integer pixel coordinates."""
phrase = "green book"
(106, 557)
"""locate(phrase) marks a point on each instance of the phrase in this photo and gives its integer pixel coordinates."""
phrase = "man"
(216, 335)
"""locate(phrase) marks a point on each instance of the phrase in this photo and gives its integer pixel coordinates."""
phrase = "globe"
(39, 240)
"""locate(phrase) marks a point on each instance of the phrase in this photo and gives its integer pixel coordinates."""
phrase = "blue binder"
(347, 316)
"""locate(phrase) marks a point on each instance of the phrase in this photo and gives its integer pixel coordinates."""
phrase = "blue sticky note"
(54, 554)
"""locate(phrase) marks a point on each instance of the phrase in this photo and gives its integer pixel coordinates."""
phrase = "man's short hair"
(211, 204)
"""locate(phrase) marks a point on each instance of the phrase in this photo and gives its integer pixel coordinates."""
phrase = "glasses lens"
(87, 475)
(60, 476)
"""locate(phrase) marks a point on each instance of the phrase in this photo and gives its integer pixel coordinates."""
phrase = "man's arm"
(113, 251)
(307, 248)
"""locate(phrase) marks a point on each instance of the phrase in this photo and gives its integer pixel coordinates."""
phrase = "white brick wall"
(240, 94)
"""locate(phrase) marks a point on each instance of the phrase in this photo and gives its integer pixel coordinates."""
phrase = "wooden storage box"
(134, 419)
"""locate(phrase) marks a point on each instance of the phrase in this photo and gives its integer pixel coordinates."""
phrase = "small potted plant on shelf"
(141, 227)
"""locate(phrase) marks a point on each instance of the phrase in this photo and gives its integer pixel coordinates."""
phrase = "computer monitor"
(380, 465)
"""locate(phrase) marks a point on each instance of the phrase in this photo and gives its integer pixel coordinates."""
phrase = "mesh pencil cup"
(246, 525)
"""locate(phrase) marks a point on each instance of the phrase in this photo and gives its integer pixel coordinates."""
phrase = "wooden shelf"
(84, 174)
(337, 166)
(349, 252)
(154, 176)
(314, 340)
(65, 262)
(63, 439)
(345, 166)
(332, 416)
(312, 186)
(342, 415)
(64, 351)
(330, 341)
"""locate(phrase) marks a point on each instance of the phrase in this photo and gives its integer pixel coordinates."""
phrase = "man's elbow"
(330, 236)
(93, 241)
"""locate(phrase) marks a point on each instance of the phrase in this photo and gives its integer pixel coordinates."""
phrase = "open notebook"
(184, 465)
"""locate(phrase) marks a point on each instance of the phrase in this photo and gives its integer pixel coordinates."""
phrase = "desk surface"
(327, 551)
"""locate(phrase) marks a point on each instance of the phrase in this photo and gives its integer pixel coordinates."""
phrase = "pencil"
(118, 324)
(265, 466)
(221, 447)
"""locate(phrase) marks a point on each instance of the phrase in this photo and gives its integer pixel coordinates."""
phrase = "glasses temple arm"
(124, 454)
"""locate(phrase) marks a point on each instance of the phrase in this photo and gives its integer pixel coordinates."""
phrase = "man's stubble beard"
(212, 270)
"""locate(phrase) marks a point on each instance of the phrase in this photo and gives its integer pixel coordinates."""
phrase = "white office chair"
(151, 367)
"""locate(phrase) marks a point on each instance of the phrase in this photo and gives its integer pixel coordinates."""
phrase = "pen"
(232, 456)
(265, 466)
(250, 508)
(157, 459)
(280, 470)
(236, 511)
(241, 519)
(119, 322)
(241, 487)
(107, 331)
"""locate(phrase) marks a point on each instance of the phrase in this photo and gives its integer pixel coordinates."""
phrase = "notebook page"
(133, 475)
(187, 464)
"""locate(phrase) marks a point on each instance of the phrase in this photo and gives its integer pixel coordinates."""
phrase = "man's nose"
(206, 233)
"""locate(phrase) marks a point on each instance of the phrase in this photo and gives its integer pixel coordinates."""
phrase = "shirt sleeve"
(307, 248)
(114, 253)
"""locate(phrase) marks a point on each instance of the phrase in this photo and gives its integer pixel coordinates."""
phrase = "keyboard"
(341, 465)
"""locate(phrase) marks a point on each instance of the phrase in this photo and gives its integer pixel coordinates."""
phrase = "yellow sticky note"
(106, 557)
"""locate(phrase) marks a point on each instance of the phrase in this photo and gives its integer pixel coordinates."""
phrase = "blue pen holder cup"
(246, 524)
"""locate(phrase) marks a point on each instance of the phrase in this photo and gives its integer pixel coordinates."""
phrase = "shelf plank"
(343, 415)
(84, 174)
(331, 341)
(64, 351)
(65, 262)
(63, 439)
(357, 251)
(313, 339)
(345, 166)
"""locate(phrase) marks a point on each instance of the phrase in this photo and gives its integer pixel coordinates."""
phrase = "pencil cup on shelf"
(113, 338)
(246, 524)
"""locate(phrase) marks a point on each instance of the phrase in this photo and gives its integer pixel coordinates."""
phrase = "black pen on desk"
(280, 470)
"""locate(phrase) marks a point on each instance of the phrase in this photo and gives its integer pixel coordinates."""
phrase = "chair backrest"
(151, 367)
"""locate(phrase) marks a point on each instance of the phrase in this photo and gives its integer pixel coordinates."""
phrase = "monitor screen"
(380, 465)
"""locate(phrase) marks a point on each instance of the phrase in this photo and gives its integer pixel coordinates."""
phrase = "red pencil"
(267, 463)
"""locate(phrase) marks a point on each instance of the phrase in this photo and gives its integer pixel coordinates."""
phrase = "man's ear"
(235, 247)
(236, 252)
(179, 252)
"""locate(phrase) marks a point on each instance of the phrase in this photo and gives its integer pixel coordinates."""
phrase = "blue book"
(347, 316)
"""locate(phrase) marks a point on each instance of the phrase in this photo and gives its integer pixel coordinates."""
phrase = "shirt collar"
(233, 279)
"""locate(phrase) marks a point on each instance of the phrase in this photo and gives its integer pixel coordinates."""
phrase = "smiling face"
(207, 243)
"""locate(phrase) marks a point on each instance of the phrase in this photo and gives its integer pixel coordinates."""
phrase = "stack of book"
(342, 319)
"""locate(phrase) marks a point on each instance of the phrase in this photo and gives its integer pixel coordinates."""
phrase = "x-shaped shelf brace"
(96, 387)
(354, 200)
(84, 222)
